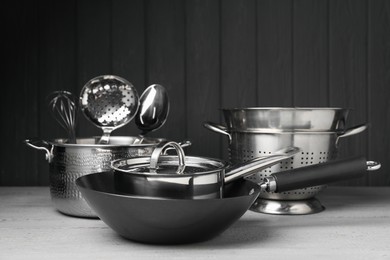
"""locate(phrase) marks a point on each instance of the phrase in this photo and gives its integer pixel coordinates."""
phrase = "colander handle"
(322, 173)
(218, 129)
(354, 130)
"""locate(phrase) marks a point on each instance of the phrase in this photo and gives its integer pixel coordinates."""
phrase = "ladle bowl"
(153, 110)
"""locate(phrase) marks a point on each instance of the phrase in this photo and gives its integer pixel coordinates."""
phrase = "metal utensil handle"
(322, 173)
(218, 129)
(183, 144)
(41, 145)
(105, 138)
(159, 150)
(258, 164)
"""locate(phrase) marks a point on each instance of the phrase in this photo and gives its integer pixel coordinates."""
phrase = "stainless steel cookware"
(69, 161)
(286, 118)
(158, 220)
(318, 144)
(185, 176)
(153, 109)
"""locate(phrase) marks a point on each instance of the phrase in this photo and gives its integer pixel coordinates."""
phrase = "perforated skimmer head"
(109, 102)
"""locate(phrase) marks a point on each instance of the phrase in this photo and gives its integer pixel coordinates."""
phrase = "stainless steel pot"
(185, 177)
(286, 118)
(69, 161)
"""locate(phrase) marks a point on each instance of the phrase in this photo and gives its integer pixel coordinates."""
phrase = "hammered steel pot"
(68, 161)
(316, 147)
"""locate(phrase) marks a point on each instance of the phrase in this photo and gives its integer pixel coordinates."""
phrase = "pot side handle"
(41, 145)
(354, 130)
(351, 131)
(218, 129)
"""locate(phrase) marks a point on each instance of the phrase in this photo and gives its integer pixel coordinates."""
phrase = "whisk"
(63, 107)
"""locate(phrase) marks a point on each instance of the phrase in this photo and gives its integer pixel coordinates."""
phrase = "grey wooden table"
(355, 225)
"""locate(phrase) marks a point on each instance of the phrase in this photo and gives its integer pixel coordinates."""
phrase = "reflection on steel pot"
(316, 147)
(69, 161)
(158, 220)
(185, 176)
(286, 118)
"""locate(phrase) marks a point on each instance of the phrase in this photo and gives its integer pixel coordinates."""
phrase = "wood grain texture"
(238, 54)
(209, 54)
(94, 49)
(310, 53)
(20, 91)
(202, 75)
(238, 59)
(378, 88)
(355, 225)
(128, 49)
(165, 60)
(348, 70)
(57, 66)
(274, 53)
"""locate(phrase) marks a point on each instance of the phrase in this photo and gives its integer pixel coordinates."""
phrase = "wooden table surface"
(355, 225)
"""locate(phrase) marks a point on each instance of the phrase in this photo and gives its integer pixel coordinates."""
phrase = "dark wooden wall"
(209, 54)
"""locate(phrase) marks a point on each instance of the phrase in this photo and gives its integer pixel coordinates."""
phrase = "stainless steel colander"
(259, 131)
(316, 147)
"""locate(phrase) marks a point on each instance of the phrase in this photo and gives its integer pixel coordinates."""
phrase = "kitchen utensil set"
(277, 156)
(110, 102)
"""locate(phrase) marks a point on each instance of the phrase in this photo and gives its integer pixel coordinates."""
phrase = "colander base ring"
(287, 207)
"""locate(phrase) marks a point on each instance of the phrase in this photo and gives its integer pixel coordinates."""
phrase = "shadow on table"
(243, 232)
(336, 199)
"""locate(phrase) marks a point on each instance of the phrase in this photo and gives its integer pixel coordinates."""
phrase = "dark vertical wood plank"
(379, 90)
(165, 60)
(348, 70)
(57, 66)
(202, 74)
(238, 53)
(238, 58)
(128, 48)
(274, 53)
(93, 50)
(202, 51)
(19, 113)
(310, 53)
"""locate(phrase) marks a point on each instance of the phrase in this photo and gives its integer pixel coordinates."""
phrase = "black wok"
(158, 220)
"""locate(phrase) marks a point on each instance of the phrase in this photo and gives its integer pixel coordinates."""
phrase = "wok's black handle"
(320, 174)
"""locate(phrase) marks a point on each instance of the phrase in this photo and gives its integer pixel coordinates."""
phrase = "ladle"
(153, 110)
